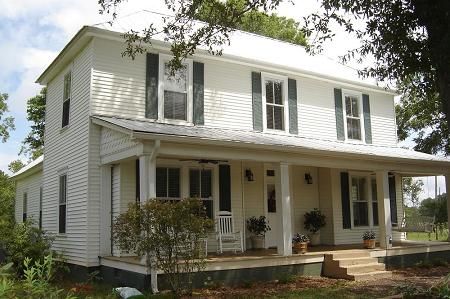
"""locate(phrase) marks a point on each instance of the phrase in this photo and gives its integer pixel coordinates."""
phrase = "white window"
(62, 219)
(360, 201)
(67, 94)
(353, 116)
(200, 186)
(274, 91)
(168, 183)
(175, 92)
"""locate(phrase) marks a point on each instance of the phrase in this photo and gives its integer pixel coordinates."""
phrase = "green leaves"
(6, 122)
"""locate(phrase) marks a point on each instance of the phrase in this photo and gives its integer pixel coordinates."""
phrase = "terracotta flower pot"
(301, 247)
(369, 244)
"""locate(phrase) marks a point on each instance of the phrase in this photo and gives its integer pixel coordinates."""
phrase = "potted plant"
(369, 239)
(300, 243)
(314, 221)
(258, 228)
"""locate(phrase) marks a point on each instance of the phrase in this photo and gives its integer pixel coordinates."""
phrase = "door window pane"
(271, 199)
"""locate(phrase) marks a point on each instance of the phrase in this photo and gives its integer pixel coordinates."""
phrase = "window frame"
(369, 201)
(69, 99)
(211, 197)
(25, 206)
(41, 197)
(180, 184)
(163, 58)
(358, 95)
(284, 79)
(60, 175)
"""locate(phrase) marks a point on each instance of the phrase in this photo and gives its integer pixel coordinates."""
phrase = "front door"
(270, 200)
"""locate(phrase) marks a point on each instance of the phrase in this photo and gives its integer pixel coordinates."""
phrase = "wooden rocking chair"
(227, 237)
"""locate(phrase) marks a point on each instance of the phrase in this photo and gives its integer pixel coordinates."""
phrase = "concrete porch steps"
(354, 265)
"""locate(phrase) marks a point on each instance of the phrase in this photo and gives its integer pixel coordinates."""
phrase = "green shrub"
(26, 240)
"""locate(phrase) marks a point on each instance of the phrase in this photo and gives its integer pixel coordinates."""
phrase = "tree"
(169, 234)
(274, 26)
(411, 190)
(6, 122)
(435, 207)
(7, 195)
(15, 166)
(33, 144)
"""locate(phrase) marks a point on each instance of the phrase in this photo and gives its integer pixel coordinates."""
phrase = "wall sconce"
(308, 178)
(249, 175)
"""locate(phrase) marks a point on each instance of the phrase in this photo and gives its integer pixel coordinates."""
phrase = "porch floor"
(269, 257)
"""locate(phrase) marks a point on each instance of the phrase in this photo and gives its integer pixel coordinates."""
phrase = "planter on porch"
(258, 228)
(315, 239)
(369, 239)
(314, 221)
(300, 243)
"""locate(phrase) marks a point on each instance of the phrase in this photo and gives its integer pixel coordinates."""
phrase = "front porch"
(267, 264)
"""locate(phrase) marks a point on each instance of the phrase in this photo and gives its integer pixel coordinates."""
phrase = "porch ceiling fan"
(205, 161)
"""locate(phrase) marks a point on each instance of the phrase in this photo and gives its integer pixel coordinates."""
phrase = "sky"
(33, 32)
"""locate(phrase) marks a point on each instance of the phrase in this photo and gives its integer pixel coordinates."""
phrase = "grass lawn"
(426, 237)
(306, 287)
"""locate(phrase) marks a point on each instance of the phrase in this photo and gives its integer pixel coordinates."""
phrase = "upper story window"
(353, 116)
(176, 96)
(168, 183)
(67, 94)
(274, 102)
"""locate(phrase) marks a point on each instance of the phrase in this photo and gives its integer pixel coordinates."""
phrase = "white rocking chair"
(227, 238)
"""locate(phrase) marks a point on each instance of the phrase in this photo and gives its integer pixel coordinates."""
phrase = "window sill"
(61, 235)
(176, 122)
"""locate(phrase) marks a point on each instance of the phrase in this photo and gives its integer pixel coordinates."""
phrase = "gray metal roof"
(268, 139)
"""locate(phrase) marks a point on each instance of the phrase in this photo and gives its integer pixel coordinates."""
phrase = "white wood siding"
(66, 150)
(30, 185)
(118, 89)
(326, 205)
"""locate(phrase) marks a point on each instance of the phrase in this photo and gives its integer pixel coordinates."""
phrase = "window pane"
(194, 183)
(174, 183)
(362, 192)
(269, 92)
(62, 189)
(278, 118)
(177, 82)
(269, 113)
(360, 214)
(161, 182)
(373, 183)
(271, 199)
(278, 91)
(353, 128)
(348, 106)
(175, 105)
(62, 219)
(67, 86)
(25, 203)
(206, 178)
(355, 108)
(66, 113)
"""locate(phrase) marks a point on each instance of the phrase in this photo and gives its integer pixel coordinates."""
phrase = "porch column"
(284, 207)
(147, 174)
(384, 209)
(447, 191)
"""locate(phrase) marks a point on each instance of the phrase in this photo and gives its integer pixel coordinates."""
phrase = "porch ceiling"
(143, 129)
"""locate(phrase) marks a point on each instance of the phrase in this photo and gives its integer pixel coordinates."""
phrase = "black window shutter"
(198, 93)
(257, 102)
(292, 98)
(224, 188)
(151, 86)
(367, 123)
(345, 200)
(339, 114)
(393, 199)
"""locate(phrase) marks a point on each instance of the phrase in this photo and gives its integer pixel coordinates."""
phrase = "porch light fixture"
(308, 178)
(249, 175)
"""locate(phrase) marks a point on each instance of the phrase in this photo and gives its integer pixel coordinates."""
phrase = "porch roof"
(281, 142)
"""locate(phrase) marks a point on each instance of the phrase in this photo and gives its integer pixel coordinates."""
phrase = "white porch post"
(447, 191)
(105, 212)
(384, 209)
(284, 211)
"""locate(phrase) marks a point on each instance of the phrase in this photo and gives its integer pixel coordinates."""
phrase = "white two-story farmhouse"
(264, 129)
